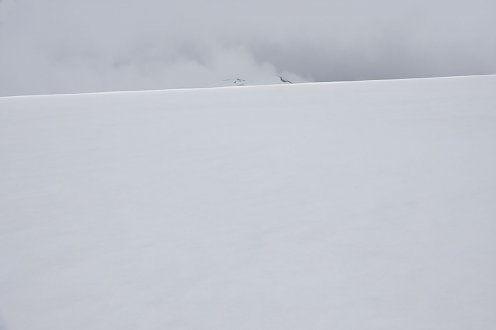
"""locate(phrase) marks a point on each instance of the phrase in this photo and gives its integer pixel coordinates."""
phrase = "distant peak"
(269, 80)
(284, 80)
(235, 81)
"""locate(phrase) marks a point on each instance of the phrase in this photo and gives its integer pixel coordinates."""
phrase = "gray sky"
(63, 46)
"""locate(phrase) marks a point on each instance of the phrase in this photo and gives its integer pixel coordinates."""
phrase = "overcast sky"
(64, 46)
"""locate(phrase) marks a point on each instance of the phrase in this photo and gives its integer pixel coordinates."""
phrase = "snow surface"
(364, 205)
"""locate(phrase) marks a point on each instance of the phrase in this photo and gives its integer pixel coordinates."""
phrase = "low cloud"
(62, 46)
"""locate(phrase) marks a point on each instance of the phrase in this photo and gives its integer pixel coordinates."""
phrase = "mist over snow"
(354, 200)
(62, 46)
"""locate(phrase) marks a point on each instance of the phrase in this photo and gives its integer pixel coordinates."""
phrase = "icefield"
(356, 205)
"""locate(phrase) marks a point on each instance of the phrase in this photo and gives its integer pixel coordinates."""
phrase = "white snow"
(364, 205)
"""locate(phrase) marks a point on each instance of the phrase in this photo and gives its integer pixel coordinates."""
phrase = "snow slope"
(363, 205)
